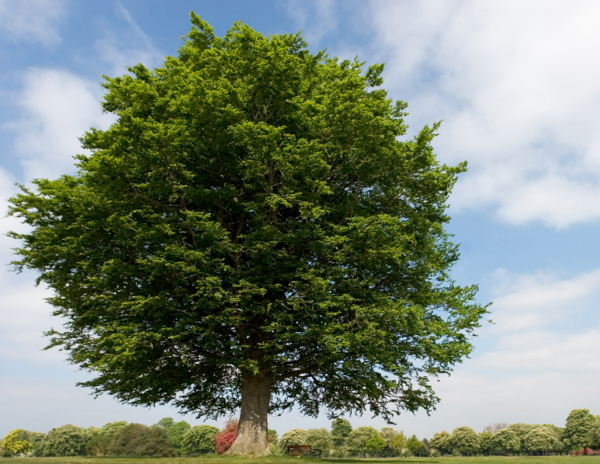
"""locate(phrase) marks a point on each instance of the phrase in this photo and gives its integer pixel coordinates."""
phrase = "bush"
(292, 437)
(67, 440)
(225, 437)
(138, 440)
(465, 440)
(199, 440)
(320, 440)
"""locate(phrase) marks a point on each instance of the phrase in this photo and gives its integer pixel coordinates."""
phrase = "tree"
(506, 441)
(67, 440)
(293, 437)
(415, 446)
(252, 233)
(540, 440)
(495, 427)
(175, 430)
(485, 442)
(595, 434)
(398, 443)
(320, 439)
(199, 439)
(442, 441)
(375, 444)
(465, 440)
(358, 438)
(577, 429)
(16, 442)
(340, 429)
(139, 440)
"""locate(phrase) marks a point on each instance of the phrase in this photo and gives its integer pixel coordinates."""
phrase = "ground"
(291, 460)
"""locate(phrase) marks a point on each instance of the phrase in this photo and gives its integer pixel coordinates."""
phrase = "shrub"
(138, 440)
(225, 437)
(465, 440)
(67, 440)
(199, 439)
(320, 439)
(292, 437)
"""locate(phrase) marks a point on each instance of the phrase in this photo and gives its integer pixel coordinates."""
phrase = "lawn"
(293, 460)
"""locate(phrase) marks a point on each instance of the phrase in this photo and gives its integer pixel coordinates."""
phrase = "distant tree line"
(170, 438)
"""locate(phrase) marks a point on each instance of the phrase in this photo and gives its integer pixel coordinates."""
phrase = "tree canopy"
(252, 232)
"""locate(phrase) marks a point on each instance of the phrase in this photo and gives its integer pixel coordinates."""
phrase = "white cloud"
(516, 84)
(127, 47)
(57, 108)
(32, 20)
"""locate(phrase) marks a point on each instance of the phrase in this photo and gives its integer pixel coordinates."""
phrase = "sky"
(516, 86)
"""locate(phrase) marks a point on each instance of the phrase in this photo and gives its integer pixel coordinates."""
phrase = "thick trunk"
(252, 430)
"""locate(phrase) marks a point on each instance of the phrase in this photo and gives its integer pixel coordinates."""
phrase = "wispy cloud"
(317, 18)
(32, 20)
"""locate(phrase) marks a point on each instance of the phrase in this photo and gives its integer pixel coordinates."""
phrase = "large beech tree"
(252, 233)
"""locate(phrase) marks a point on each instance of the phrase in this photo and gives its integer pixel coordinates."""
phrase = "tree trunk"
(252, 429)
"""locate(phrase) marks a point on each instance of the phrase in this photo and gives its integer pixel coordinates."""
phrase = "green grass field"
(293, 460)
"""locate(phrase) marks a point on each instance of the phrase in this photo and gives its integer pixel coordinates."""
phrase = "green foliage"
(415, 446)
(595, 433)
(465, 440)
(376, 444)
(442, 441)
(199, 440)
(578, 429)
(67, 440)
(541, 440)
(340, 429)
(398, 443)
(175, 430)
(253, 209)
(485, 442)
(506, 441)
(394, 441)
(320, 439)
(292, 437)
(16, 442)
(358, 438)
(112, 429)
(139, 440)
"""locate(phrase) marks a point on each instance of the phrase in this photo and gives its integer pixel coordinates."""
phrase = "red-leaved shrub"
(225, 437)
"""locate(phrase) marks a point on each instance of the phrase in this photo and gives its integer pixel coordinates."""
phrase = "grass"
(213, 459)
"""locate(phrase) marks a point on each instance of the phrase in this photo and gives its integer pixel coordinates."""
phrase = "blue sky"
(516, 84)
